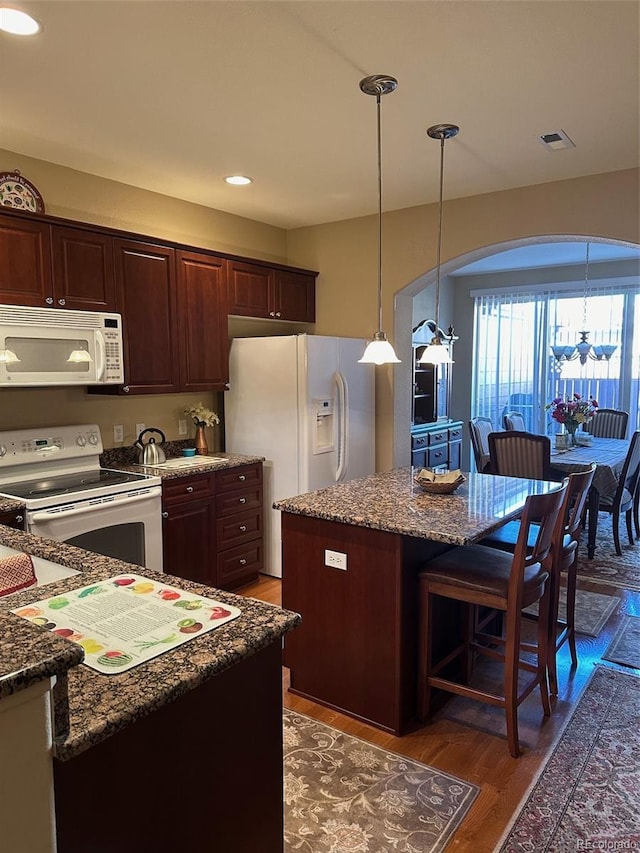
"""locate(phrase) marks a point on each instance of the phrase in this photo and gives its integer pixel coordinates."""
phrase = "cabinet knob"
(242, 477)
(49, 300)
(125, 389)
(189, 489)
(165, 514)
(62, 301)
(277, 314)
(242, 561)
(242, 500)
(272, 313)
(243, 528)
(19, 519)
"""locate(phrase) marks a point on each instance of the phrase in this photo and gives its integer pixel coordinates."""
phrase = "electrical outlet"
(140, 428)
(335, 559)
(118, 433)
(182, 426)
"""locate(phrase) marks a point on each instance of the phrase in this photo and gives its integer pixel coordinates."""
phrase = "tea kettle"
(150, 453)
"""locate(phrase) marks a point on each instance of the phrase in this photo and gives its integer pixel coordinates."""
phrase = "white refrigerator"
(306, 405)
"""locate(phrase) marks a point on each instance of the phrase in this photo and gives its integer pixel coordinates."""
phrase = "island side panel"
(205, 769)
(355, 648)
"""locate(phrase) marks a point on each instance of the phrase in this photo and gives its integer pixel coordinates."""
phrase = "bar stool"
(479, 576)
(566, 561)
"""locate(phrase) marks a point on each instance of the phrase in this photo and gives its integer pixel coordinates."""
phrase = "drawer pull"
(189, 489)
(243, 528)
(242, 561)
(19, 519)
(165, 514)
(242, 478)
(242, 500)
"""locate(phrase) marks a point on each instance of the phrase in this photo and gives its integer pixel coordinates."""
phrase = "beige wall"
(345, 253)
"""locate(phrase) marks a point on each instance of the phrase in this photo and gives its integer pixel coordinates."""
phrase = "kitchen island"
(351, 557)
(184, 747)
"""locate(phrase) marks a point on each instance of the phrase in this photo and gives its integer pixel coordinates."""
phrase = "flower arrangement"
(201, 416)
(572, 412)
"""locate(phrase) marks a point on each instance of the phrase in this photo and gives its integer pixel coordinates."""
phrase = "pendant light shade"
(379, 350)
(437, 352)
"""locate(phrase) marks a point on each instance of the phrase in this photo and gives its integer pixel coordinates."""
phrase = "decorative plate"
(19, 193)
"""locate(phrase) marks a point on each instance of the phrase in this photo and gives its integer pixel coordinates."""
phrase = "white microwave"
(53, 346)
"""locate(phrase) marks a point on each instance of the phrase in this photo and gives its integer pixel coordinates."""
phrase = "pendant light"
(379, 350)
(436, 352)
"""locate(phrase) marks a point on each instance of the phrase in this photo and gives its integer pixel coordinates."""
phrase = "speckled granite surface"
(10, 504)
(125, 460)
(391, 501)
(99, 705)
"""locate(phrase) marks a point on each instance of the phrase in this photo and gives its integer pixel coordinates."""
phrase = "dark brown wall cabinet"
(213, 526)
(54, 266)
(257, 291)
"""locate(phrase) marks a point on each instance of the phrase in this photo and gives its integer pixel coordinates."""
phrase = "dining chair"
(625, 499)
(479, 576)
(514, 420)
(608, 423)
(565, 562)
(514, 453)
(479, 429)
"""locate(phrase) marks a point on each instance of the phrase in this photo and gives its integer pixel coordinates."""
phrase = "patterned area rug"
(586, 796)
(593, 610)
(606, 567)
(343, 795)
(624, 648)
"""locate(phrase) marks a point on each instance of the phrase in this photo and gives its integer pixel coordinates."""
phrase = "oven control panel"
(34, 446)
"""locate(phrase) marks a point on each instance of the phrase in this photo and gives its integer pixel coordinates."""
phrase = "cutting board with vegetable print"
(126, 620)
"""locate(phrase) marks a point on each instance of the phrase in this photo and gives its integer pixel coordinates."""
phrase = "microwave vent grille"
(24, 316)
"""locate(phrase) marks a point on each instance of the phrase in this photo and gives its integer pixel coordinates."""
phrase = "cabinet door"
(203, 338)
(294, 296)
(25, 263)
(83, 269)
(188, 541)
(250, 289)
(13, 519)
(146, 298)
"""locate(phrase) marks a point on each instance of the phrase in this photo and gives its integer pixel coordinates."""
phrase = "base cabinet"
(13, 519)
(437, 445)
(213, 526)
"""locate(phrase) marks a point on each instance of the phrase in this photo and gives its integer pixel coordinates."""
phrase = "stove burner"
(77, 486)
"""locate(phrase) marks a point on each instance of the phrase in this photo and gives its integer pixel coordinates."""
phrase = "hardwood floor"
(468, 739)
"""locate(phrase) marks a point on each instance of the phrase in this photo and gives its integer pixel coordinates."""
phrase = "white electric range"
(56, 473)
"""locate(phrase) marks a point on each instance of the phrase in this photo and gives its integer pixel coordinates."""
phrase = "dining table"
(609, 455)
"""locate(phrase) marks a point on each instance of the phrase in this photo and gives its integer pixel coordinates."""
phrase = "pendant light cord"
(379, 218)
(439, 247)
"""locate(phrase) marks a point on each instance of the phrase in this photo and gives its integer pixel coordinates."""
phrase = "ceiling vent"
(556, 141)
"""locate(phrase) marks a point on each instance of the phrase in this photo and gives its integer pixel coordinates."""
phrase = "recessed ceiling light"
(238, 180)
(18, 23)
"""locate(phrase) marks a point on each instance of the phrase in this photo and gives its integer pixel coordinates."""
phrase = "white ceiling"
(172, 96)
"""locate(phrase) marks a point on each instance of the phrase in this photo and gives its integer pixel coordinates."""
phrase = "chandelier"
(583, 349)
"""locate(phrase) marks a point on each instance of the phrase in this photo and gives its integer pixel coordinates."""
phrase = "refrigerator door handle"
(343, 426)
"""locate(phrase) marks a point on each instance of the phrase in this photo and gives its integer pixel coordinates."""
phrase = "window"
(515, 369)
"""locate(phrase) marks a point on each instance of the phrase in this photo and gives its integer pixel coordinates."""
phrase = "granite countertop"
(125, 461)
(392, 501)
(99, 705)
(10, 504)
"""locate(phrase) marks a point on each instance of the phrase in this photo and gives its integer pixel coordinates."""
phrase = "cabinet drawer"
(419, 458)
(419, 442)
(437, 456)
(186, 489)
(235, 478)
(438, 437)
(455, 434)
(237, 529)
(238, 501)
(240, 565)
(454, 455)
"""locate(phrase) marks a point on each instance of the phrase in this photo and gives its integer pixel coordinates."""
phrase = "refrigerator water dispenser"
(323, 432)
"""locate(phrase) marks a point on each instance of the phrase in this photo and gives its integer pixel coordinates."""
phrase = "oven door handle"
(37, 517)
